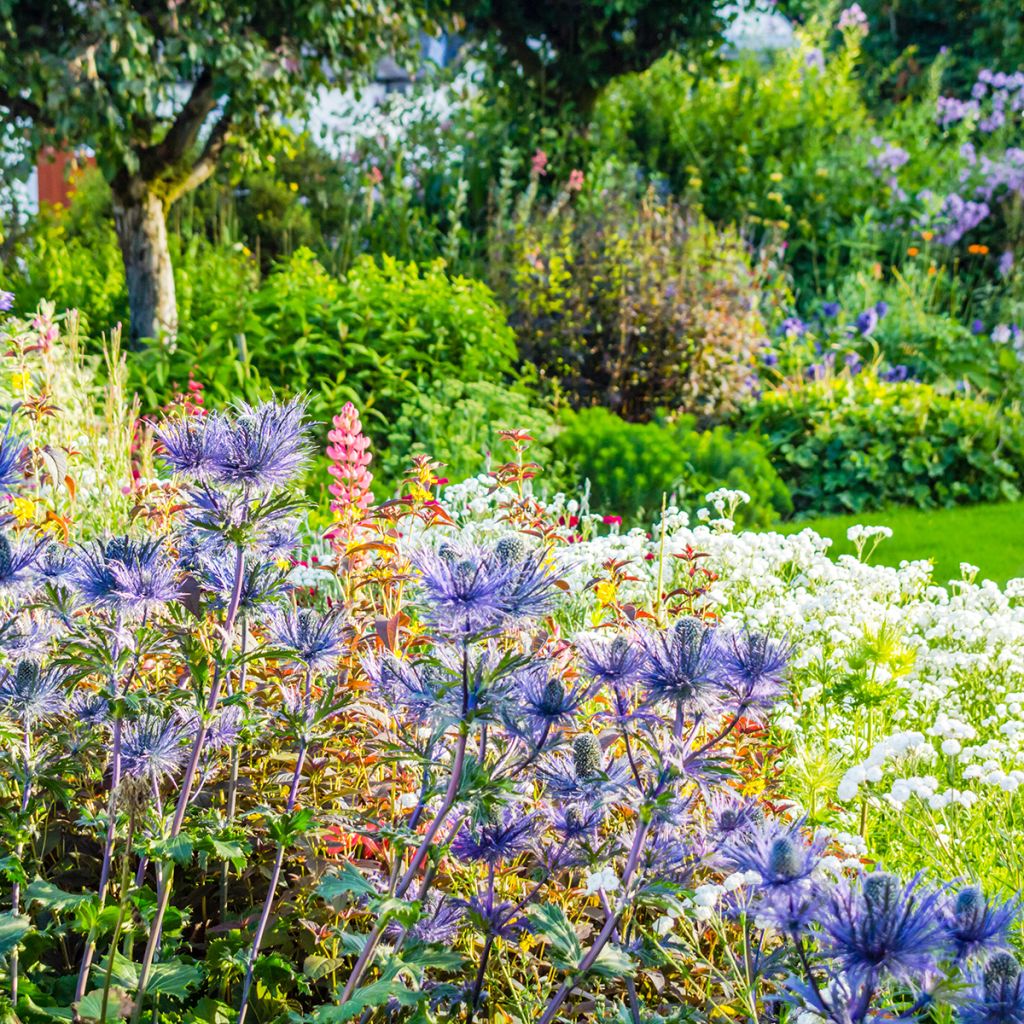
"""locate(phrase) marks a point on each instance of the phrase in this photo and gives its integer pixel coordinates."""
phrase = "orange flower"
(977, 250)
(927, 235)
(913, 251)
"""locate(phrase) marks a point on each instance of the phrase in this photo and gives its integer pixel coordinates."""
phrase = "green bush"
(853, 444)
(631, 466)
(633, 306)
(459, 423)
(378, 336)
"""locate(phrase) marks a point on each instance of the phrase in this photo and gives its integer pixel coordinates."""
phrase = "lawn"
(988, 536)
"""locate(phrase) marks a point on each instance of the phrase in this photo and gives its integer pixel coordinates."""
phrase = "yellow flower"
(695, 183)
(822, 172)
(753, 786)
(283, 563)
(775, 176)
(605, 591)
(24, 510)
(20, 381)
(293, 185)
(776, 196)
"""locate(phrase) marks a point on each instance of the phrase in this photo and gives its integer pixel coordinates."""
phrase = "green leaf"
(52, 898)
(13, 928)
(347, 881)
(178, 848)
(173, 979)
(118, 1005)
(373, 995)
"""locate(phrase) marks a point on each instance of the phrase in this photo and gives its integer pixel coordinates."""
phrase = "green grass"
(988, 536)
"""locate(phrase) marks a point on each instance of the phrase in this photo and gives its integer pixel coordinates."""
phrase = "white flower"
(604, 880)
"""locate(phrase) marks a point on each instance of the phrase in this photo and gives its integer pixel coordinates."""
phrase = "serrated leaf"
(347, 881)
(13, 928)
(178, 848)
(49, 896)
(316, 967)
(173, 979)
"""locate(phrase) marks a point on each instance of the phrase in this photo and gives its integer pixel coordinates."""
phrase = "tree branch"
(206, 163)
(181, 136)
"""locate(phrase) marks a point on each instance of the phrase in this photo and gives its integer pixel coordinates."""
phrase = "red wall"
(56, 171)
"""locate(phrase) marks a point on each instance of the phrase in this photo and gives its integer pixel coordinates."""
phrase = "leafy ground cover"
(990, 537)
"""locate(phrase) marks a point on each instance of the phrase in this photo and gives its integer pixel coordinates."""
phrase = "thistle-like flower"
(265, 446)
(193, 446)
(152, 747)
(753, 668)
(125, 574)
(885, 928)
(30, 692)
(684, 666)
(996, 995)
(545, 701)
(779, 853)
(17, 559)
(616, 662)
(506, 836)
(312, 638)
(977, 925)
(12, 458)
(582, 776)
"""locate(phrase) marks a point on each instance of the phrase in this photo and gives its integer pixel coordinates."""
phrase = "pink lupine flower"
(539, 163)
(349, 452)
(575, 180)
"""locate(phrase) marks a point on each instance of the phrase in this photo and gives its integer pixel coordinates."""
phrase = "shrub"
(634, 306)
(851, 444)
(458, 422)
(630, 466)
(376, 337)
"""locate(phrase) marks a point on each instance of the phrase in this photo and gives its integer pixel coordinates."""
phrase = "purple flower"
(614, 662)
(152, 747)
(753, 667)
(312, 638)
(264, 446)
(495, 917)
(778, 853)
(545, 700)
(977, 326)
(683, 666)
(89, 709)
(883, 927)
(6, 301)
(12, 458)
(124, 573)
(853, 363)
(193, 446)
(881, 308)
(977, 925)
(867, 321)
(830, 310)
(583, 777)
(996, 995)
(793, 327)
(896, 374)
(502, 839)
(31, 692)
(1005, 264)
(16, 561)
(262, 583)
(438, 926)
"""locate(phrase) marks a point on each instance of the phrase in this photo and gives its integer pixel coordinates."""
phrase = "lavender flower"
(582, 776)
(684, 666)
(883, 927)
(313, 639)
(265, 446)
(438, 926)
(545, 701)
(89, 709)
(6, 301)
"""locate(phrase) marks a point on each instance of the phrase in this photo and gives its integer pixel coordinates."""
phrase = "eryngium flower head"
(421, 691)
(30, 692)
(779, 853)
(499, 840)
(12, 458)
(89, 709)
(262, 583)
(883, 927)
(996, 995)
(152, 747)
(545, 701)
(683, 665)
(753, 669)
(731, 814)
(438, 926)
(193, 446)
(615, 662)
(313, 638)
(473, 589)
(17, 558)
(265, 446)
(55, 564)
(977, 925)
(495, 917)
(582, 776)
(125, 574)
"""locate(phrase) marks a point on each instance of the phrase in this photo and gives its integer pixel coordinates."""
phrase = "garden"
(511, 513)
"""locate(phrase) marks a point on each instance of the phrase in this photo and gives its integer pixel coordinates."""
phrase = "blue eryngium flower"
(125, 574)
(683, 665)
(264, 446)
(17, 558)
(12, 458)
(882, 927)
(544, 701)
(753, 669)
(152, 747)
(262, 583)
(996, 995)
(193, 446)
(976, 925)
(615, 662)
(474, 589)
(500, 840)
(31, 692)
(313, 638)
(779, 853)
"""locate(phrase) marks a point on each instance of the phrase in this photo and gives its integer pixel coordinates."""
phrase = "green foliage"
(631, 466)
(857, 444)
(459, 422)
(377, 336)
(632, 306)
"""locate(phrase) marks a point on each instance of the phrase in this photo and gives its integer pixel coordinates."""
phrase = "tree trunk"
(141, 225)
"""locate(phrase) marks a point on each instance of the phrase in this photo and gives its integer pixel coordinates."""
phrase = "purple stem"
(156, 928)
